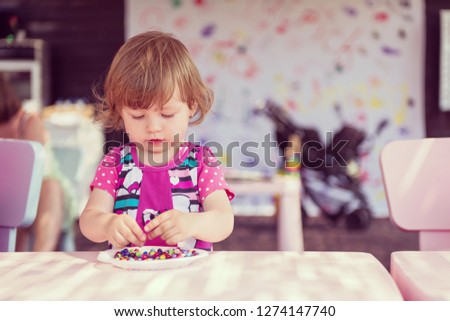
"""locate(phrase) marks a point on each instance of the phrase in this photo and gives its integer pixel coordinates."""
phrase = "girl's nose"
(153, 125)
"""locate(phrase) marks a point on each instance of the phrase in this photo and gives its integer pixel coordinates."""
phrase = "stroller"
(329, 174)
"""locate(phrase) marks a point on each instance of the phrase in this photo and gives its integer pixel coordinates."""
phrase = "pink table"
(220, 276)
(422, 275)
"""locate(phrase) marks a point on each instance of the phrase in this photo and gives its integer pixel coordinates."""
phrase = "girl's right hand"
(121, 230)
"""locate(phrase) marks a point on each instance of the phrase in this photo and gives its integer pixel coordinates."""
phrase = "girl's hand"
(122, 230)
(172, 226)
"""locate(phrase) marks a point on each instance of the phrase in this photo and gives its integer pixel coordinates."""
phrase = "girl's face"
(158, 132)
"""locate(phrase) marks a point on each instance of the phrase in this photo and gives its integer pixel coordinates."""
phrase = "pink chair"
(21, 170)
(416, 177)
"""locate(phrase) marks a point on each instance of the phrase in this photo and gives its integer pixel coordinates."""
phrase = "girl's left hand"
(172, 226)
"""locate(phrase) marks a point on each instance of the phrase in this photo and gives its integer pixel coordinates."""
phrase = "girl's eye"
(167, 115)
(137, 117)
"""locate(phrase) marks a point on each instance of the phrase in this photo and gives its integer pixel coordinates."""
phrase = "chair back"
(21, 170)
(416, 178)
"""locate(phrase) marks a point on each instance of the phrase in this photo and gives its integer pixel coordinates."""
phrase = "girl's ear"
(193, 111)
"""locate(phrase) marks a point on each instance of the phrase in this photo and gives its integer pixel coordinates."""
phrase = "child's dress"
(144, 192)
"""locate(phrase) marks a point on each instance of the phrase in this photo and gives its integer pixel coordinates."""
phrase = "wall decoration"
(328, 63)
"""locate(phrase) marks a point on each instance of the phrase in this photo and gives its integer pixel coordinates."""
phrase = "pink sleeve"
(210, 176)
(106, 175)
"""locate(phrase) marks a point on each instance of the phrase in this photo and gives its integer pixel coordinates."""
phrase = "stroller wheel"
(358, 219)
(335, 217)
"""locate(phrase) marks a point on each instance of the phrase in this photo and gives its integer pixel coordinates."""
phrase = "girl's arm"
(213, 225)
(216, 223)
(99, 224)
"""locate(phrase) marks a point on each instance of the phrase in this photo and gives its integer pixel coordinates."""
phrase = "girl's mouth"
(155, 141)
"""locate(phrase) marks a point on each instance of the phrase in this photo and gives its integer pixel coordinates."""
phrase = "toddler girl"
(157, 190)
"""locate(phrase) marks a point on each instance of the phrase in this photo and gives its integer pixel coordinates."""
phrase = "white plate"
(108, 257)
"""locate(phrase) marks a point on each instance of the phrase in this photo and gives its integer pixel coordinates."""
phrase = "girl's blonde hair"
(145, 72)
